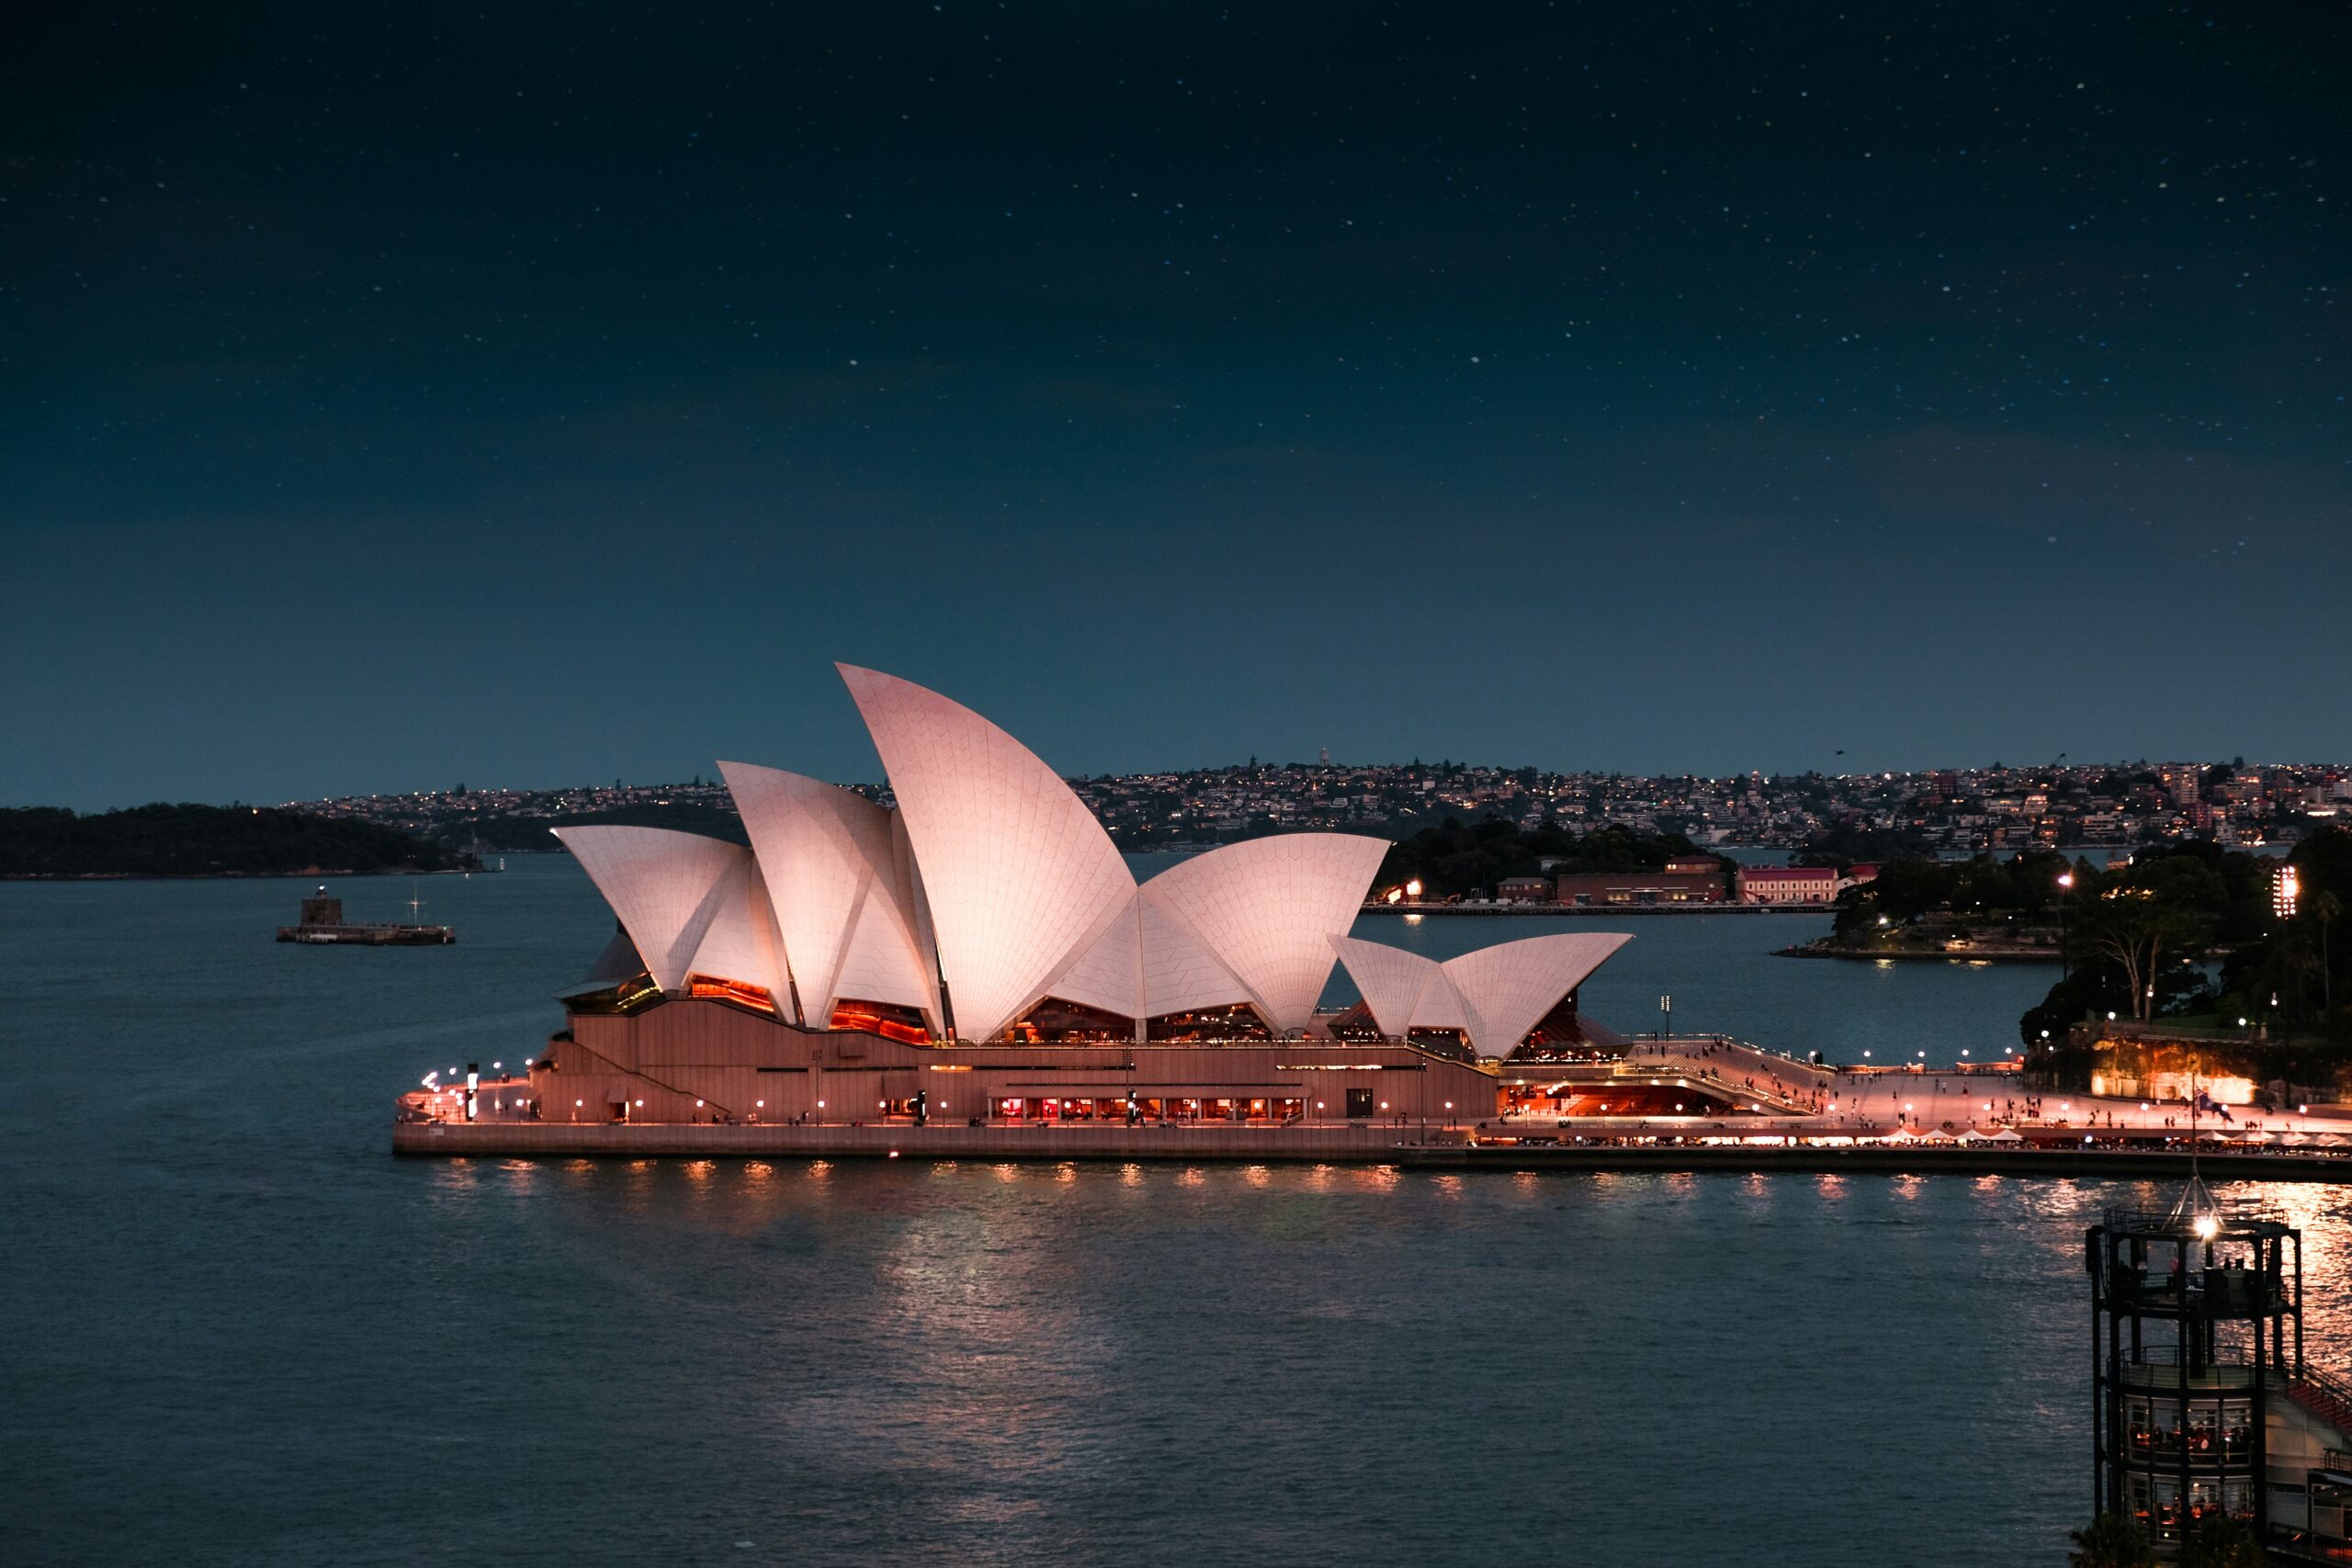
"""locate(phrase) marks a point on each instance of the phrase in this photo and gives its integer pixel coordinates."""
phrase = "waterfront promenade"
(1407, 1148)
(1980, 1121)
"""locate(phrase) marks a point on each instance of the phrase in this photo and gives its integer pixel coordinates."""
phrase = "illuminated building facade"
(980, 950)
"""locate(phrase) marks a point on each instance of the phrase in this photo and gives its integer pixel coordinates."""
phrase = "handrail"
(2333, 1387)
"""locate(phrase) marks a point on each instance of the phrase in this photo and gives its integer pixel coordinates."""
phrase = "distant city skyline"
(389, 402)
(2076, 805)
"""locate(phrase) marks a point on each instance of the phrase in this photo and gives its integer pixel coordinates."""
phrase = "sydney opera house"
(981, 954)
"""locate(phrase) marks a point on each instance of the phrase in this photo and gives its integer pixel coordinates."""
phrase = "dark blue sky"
(394, 398)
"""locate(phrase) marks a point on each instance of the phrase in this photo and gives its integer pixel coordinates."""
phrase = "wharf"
(1407, 1148)
(367, 936)
(1611, 912)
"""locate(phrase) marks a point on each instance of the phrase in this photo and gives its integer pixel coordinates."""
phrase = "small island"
(1452, 862)
(51, 843)
(1984, 908)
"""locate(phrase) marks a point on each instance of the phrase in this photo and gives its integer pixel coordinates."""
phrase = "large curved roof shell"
(1494, 994)
(1269, 907)
(1148, 962)
(740, 943)
(1180, 973)
(1016, 872)
(618, 962)
(666, 886)
(1109, 973)
(1510, 987)
(1390, 980)
(842, 892)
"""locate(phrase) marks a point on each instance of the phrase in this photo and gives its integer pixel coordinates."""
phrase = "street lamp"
(2065, 886)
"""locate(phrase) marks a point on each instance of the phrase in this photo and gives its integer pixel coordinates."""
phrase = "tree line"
(206, 841)
(1450, 859)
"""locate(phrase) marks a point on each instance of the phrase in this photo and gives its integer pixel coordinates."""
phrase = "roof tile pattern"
(1390, 979)
(666, 887)
(740, 943)
(1269, 908)
(1510, 987)
(1178, 973)
(1494, 994)
(1109, 973)
(842, 894)
(1016, 870)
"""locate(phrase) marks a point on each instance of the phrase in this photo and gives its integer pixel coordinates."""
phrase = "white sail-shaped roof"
(1016, 872)
(1109, 973)
(617, 962)
(1180, 973)
(843, 897)
(1510, 987)
(1269, 908)
(1390, 980)
(1148, 962)
(740, 943)
(1494, 994)
(666, 887)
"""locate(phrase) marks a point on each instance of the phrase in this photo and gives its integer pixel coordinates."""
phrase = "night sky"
(397, 396)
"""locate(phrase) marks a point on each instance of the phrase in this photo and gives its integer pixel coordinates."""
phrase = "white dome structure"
(1493, 996)
(671, 889)
(843, 890)
(989, 904)
(1016, 869)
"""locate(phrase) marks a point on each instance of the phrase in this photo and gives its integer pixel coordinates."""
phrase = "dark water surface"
(233, 1330)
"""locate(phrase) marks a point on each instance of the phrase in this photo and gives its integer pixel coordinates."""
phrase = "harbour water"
(236, 1331)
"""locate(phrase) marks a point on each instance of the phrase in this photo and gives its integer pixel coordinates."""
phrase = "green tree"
(2325, 908)
(2111, 1540)
(2220, 1541)
(2149, 919)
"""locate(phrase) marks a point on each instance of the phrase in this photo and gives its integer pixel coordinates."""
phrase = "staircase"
(2323, 1398)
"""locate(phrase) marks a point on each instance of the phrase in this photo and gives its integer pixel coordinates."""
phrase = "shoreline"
(1602, 911)
(1319, 1145)
(1969, 955)
(236, 876)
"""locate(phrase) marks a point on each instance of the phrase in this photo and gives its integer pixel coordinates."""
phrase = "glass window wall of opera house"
(975, 950)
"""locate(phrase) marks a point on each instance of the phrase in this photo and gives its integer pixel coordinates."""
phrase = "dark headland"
(209, 840)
